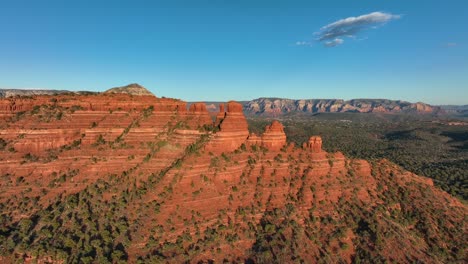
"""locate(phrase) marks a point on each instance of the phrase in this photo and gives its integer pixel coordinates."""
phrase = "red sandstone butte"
(274, 137)
(221, 115)
(198, 115)
(233, 130)
(198, 107)
(253, 139)
(315, 144)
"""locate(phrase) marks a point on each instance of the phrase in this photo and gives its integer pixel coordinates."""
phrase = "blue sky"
(209, 50)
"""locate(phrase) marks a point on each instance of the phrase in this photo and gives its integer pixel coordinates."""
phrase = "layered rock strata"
(274, 137)
(277, 106)
(154, 170)
(233, 130)
(315, 144)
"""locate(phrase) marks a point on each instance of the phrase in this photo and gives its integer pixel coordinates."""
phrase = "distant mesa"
(133, 89)
(281, 106)
(6, 93)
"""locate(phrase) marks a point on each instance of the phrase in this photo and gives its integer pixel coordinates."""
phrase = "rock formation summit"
(274, 137)
(133, 89)
(314, 144)
(233, 129)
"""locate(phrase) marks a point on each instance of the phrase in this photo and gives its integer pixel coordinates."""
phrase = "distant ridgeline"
(134, 89)
(456, 109)
(4, 93)
(276, 106)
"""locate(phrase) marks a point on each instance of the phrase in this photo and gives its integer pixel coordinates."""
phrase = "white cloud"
(334, 43)
(372, 18)
(451, 44)
(332, 35)
(303, 43)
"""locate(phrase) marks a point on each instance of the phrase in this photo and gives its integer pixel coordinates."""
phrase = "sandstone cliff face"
(274, 137)
(198, 108)
(220, 115)
(100, 102)
(315, 144)
(142, 168)
(233, 130)
(36, 124)
(277, 106)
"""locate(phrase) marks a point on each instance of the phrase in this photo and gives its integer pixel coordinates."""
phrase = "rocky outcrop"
(233, 130)
(98, 102)
(199, 116)
(274, 137)
(198, 108)
(314, 144)
(278, 106)
(362, 167)
(254, 140)
(221, 115)
(133, 89)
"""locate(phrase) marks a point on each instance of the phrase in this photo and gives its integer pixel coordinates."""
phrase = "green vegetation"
(100, 141)
(266, 209)
(423, 145)
(87, 227)
(3, 144)
(30, 158)
(148, 111)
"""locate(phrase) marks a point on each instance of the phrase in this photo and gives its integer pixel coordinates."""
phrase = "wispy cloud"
(334, 33)
(334, 43)
(451, 44)
(303, 43)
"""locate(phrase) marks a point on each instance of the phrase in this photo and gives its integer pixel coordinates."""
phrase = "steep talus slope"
(124, 178)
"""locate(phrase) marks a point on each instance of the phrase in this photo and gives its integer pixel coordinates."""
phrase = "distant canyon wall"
(277, 106)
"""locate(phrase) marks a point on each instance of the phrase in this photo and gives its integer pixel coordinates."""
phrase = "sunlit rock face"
(233, 130)
(274, 137)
